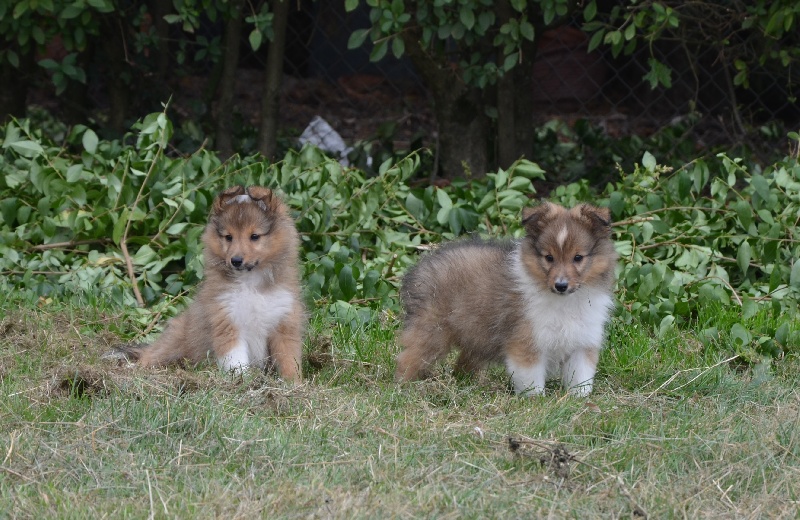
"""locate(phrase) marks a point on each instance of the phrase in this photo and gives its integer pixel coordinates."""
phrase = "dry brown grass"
(84, 437)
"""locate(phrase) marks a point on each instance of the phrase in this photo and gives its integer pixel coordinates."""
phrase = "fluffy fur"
(248, 310)
(538, 305)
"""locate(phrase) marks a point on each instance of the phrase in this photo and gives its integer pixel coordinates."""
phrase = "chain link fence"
(362, 100)
(388, 104)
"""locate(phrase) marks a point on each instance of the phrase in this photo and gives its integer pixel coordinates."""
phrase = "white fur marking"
(255, 314)
(246, 199)
(562, 237)
(237, 358)
(577, 374)
(564, 325)
(528, 380)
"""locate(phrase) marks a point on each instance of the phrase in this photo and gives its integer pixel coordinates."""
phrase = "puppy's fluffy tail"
(126, 352)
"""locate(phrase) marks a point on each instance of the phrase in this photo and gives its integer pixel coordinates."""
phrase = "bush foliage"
(90, 216)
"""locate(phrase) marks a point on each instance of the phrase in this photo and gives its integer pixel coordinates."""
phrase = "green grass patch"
(681, 424)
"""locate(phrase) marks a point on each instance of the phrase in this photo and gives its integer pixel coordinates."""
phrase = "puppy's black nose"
(562, 286)
(237, 261)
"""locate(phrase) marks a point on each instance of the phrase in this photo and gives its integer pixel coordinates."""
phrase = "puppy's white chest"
(254, 315)
(562, 323)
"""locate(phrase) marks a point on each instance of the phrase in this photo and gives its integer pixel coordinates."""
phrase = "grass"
(677, 426)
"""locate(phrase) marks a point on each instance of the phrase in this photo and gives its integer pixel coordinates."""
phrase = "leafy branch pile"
(93, 216)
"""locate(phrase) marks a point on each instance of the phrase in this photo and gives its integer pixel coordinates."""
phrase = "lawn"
(678, 426)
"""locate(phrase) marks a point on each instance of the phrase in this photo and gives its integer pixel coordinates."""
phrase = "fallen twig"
(559, 458)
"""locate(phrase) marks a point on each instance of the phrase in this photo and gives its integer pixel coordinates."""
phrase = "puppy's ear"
(598, 219)
(535, 219)
(225, 198)
(261, 196)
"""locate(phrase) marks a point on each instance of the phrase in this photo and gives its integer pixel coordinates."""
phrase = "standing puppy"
(540, 305)
(247, 311)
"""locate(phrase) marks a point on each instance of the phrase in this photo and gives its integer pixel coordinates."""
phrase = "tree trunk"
(14, 85)
(268, 130)
(515, 125)
(112, 43)
(160, 9)
(462, 148)
(230, 61)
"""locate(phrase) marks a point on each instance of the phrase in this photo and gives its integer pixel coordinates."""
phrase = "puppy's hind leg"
(171, 347)
(421, 349)
(467, 365)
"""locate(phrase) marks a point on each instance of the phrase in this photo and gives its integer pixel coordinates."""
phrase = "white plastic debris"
(322, 135)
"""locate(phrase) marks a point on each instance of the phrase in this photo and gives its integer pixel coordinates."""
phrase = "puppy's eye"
(549, 258)
(228, 238)
(577, 258)
(254, 237)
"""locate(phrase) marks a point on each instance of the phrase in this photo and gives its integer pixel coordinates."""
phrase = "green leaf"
(119, 226)
(659, 74)
(590, 11)
(415, 206)
(649, 162)
(13, 58)
(398, 47)
(647, 232)
(528, 169)
(761, 186)
(775, 276)
(749, 308)
(89, 141)
(526, 30)
(255, 39)
(743, 256)
(8, 210)
(357, 38)
(740, 336)
(794, 276)
(745, 213)
(616, 203)
(350, 5)
(444, 199)
(443, 215)
(665, 326)
(78, 195)
(74, 173)
(347, 282)
(379, 50)
(177, 229)
(501, 179)
(510, 61)
(630, 32)
(454, 219)
(782, 334)
(596, 40)
(27, 148)
(144, 255)
(467, 16)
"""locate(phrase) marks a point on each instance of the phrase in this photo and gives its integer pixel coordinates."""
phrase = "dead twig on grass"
(557, 459)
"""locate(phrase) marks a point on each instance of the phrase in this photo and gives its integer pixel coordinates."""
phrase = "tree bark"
(268, 130)
(230, 62)
(14, 85)
(160, 9)
(463, 127)
(112, 42)
(515, 125)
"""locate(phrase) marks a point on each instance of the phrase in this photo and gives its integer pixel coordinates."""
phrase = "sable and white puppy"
(248, 311)
(538, 305)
